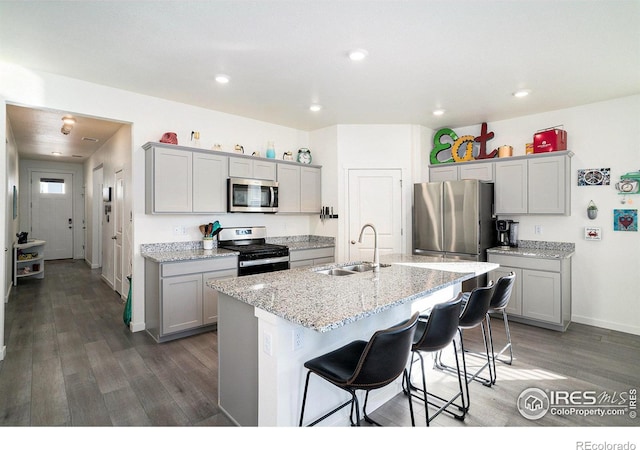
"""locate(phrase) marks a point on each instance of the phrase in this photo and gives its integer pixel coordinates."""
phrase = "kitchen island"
(270, 324)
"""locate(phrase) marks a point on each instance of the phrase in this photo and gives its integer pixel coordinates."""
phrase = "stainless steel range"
(256, 256)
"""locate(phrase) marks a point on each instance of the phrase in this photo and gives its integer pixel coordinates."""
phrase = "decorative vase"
(271, 152)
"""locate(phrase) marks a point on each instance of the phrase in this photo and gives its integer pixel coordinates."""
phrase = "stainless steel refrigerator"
(454, 220)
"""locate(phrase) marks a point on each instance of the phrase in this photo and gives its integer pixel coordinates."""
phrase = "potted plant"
(592, 210)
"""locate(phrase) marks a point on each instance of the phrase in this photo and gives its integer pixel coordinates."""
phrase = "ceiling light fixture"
(67, 125)
(56, 153)
(222, 79)
(438, 112)
(315, 107)
(358, 54)
(521, 93)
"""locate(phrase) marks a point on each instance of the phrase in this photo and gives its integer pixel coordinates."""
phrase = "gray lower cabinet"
(178, 302)
(311, 257)
(542, 292)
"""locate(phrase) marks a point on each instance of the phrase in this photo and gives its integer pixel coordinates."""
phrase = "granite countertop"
(186, 251)
(324, 302)
(181, 251)
(537, 249)
(303, 242)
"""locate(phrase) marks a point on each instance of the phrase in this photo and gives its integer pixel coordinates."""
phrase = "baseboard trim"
(624, 328)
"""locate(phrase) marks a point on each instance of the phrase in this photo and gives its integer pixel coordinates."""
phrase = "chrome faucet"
(376, 255)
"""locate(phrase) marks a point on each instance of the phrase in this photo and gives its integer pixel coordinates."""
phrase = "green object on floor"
(126, 316)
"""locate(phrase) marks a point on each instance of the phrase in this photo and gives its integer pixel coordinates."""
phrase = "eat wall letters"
(457, 142)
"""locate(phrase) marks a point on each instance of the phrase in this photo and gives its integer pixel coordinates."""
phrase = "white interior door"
(118, 208)
(375, 196)
(52, 212)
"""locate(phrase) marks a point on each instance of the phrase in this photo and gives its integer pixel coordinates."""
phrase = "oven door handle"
(273, 196)
(262, 262)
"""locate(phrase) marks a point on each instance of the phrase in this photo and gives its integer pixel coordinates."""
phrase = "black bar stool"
(434, 333)
(499, 301)
(362, 365)
(474, 313)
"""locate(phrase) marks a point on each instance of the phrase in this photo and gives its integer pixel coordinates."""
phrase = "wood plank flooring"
(72, 362)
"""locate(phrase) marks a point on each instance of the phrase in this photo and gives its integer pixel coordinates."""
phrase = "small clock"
(304, 156)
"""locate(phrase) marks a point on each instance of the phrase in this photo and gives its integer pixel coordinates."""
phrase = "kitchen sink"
(363, 267)
(335, 272)
(350, 269)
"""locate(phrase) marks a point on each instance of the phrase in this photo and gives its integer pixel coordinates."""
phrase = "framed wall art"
(625, 220)
(594, 177)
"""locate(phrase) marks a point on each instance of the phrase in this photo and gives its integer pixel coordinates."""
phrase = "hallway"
(72, 361)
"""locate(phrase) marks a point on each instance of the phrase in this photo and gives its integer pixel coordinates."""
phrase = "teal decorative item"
(271, 152)
(126, 315)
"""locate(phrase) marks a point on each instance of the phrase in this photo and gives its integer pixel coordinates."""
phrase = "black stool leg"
(304, 398)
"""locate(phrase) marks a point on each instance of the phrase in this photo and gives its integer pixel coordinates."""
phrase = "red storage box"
(549, 140)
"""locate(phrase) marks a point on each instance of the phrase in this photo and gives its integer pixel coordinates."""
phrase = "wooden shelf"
(34, 246)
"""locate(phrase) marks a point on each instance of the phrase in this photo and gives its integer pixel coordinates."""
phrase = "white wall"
(366, 147)
(605, 284)
(11, 223)
(114, 155)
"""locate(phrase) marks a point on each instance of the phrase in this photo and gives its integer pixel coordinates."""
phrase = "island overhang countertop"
(323, 302)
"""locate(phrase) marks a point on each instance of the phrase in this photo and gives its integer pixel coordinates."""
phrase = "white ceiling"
(466, 57)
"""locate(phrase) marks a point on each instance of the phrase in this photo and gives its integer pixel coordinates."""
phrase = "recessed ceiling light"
(438, 112)
(56, 153)
(68, 120)
(90, 139)
(358, 54)
(222, 79)
(521, 93)
(315, 107)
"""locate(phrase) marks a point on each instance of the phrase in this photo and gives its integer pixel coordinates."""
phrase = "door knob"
(114, 237)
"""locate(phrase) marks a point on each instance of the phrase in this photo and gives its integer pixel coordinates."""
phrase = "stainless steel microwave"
(251, 195)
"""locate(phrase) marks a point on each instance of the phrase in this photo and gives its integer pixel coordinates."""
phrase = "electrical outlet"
(267, 343)
(179, 231)
(298, 338)
(537, 229)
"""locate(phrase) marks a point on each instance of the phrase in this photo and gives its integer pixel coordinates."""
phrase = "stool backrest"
(502, 291)
(441, 326)
(476, 308)
(385, 356)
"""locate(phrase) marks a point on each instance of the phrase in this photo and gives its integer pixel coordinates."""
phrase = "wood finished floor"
(71, 362)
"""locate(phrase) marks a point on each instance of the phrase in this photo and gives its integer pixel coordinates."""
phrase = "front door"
(375, 196)
(52, 213)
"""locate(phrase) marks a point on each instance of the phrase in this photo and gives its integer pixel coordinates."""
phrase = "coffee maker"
(507, 233)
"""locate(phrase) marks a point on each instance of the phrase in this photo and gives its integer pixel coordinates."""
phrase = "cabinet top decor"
(454, 147)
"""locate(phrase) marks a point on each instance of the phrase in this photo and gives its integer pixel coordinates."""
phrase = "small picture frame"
(15, 202)
(592, 233)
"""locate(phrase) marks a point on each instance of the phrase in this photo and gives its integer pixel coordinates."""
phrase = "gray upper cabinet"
(252, 168)
(538, 184)
(210, 173)
(462, 171)
(169, 178)
(181, 180)
(299, 189)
